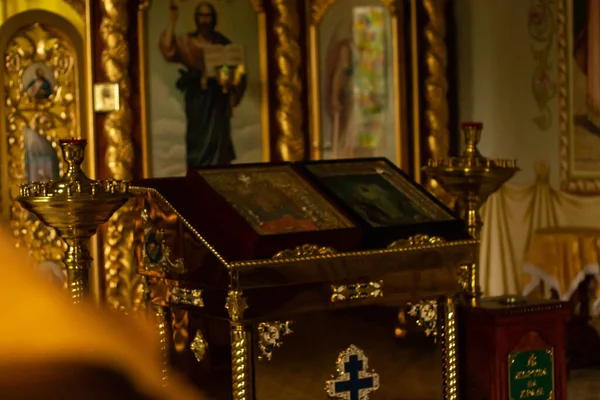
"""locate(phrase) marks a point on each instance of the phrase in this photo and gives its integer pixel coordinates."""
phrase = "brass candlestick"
(75, 206)
(472, 178)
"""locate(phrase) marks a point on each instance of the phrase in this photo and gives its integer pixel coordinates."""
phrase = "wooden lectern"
(272, 282)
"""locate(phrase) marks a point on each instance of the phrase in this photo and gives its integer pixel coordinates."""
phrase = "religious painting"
(275, 200)
(42, 78)
(579, 63)
(356, 92)
(378, 193)
(204, 84)
(41, 157)
(38, 81)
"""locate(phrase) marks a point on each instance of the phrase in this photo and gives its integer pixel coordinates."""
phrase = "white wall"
(496, 67)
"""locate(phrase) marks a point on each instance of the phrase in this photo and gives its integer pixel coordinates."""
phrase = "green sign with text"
(531, 374)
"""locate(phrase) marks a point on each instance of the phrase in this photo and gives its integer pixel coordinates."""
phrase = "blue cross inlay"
(354, 384)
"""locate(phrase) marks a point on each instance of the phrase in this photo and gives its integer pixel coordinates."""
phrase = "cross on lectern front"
(353, 382)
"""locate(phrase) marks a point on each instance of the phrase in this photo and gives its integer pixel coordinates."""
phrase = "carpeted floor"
(584, 385)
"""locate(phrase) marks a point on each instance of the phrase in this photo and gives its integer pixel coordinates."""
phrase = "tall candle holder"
(471, 178)
(74, 206)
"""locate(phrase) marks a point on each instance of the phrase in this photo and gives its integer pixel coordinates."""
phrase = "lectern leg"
(448, 335)
(241, 361)
(162, 325)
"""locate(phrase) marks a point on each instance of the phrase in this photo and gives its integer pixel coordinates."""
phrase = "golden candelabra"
(75, 206)
(472, 178)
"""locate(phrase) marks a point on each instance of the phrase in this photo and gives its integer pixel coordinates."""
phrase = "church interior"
(300, 199)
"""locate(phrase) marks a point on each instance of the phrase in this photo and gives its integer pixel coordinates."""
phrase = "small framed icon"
(106, 97)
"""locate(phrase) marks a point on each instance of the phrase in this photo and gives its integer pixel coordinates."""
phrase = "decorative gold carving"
(122, 281)
(320, 7)
(235, 305)
(306, 250)
(190, 297)
(54, 117)
(541, 24)
(199, 346)
(156, 253)
(270, 337)
(114, 28)
(426, 314)
(78, 5)
(180, 320)
(436, 91)
(449, 342)
(416, 241)
(289, 86)
(356, 291)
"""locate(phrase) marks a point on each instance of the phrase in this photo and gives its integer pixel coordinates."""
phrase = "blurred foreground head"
(51, 349)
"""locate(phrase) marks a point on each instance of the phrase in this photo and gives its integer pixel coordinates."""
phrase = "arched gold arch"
(48, 41)
(75, 14)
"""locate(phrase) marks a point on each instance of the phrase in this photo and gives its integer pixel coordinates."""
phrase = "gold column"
(162, 324)
(241, 347)
(449, 342)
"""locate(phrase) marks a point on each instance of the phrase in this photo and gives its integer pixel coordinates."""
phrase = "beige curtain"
(510, 217)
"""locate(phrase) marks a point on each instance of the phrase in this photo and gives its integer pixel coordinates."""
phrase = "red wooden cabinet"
(513, 348)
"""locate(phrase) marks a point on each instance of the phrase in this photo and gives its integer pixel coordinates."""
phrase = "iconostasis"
(158, 86)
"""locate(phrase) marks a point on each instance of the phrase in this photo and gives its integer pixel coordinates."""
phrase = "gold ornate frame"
(55, 26)
(435, 89)
(584, 184)
(264, 82)
(318, 9)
